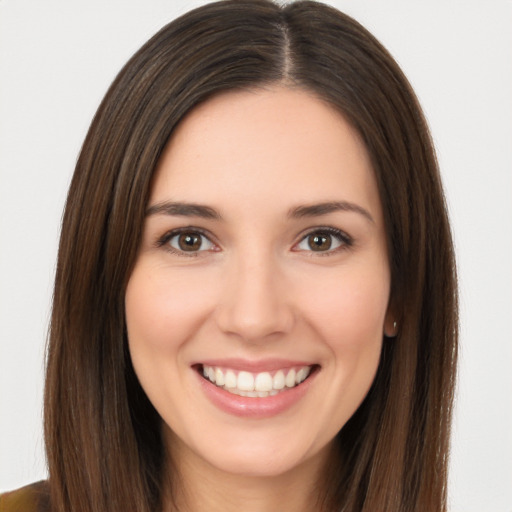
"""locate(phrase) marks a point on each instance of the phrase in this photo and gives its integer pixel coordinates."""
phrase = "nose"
(255, 303)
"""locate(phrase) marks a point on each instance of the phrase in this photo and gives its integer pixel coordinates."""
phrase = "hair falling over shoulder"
(103, 441)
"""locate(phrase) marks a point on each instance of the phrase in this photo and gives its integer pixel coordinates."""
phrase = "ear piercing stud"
(394, 331)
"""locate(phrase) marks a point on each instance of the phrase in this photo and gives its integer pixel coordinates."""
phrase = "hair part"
(103, 440)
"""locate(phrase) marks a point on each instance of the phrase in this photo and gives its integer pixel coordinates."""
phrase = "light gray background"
(57, 59)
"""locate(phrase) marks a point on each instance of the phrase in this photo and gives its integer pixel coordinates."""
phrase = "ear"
(390, 323)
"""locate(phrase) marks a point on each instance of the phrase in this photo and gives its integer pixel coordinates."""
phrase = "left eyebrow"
(315, 210)
(183, 210)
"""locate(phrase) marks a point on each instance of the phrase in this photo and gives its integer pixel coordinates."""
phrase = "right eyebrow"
(183, 210)
(316, 210)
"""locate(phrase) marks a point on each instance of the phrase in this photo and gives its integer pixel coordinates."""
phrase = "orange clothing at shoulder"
(31, 498)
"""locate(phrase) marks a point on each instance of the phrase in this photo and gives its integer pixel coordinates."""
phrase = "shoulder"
(31, 498)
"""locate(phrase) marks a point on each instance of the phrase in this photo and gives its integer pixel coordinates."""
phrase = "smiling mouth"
(261, 384)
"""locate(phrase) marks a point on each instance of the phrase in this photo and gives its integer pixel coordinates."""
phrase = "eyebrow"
(318, 209)
(183, 210)
(298, 212)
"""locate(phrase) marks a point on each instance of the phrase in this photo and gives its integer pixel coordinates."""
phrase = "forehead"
(283, 145)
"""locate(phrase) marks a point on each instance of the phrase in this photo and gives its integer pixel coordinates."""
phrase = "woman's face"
(263, 263)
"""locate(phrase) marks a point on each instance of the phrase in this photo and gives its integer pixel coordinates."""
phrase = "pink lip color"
(249, 407)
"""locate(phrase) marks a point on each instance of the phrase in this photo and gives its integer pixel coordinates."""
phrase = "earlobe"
(392, 331)
(390, 325)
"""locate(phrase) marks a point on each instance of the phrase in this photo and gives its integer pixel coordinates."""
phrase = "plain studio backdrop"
(57, 59)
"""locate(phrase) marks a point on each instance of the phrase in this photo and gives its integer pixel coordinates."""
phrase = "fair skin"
(279, 269)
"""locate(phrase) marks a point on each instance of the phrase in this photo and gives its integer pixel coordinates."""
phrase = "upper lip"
(255, 366)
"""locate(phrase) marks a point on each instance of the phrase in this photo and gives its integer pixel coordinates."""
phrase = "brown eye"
(190, 241)
(325, 240)
(319, 242)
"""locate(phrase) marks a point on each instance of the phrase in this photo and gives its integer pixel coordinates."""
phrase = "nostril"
(255, 307)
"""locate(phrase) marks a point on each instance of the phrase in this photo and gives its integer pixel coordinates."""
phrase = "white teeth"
(301, 375)
(263, 382)
(245, 381)
(290, 379)
(230, 379)
(278, 380)
(255, 385)
(219, 377)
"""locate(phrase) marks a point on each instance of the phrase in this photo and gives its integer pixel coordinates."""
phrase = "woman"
(253, 212)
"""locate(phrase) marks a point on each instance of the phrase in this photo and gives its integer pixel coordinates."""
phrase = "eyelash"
(167, 237)
(345, 241)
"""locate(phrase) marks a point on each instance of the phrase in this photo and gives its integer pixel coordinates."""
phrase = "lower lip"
(249, 407)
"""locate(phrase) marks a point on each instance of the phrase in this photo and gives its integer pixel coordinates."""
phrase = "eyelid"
(163, 241)
(346, 241)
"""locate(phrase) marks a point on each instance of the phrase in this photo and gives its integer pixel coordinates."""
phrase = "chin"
(262, 454)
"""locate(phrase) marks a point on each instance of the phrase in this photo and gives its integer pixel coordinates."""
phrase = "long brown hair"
(103, 441)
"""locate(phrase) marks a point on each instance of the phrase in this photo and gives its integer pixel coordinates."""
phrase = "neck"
(199, 486)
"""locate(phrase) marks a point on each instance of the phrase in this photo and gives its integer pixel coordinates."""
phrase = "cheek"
(162, 310)
(348, 318)
(148, 336)
(162, 315)
(350, 309)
